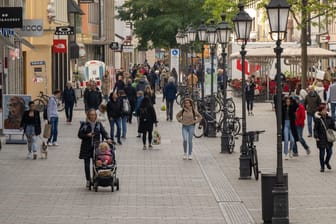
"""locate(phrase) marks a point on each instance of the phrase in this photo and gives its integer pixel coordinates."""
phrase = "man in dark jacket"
(312, 102)
(92, 97)
(69, 100)
(114, 113)
(131, 95)
(170, 94)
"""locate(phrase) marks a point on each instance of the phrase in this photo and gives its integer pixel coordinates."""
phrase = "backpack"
(126, 106)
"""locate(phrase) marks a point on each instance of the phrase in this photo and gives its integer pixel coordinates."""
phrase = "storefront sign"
(59, 46)
(114, 45)
(127, 48)
(7, 32)
(64, 30)
(34, 63)
(11, 17)
(32, 27)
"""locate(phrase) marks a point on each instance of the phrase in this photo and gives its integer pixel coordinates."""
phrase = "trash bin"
(267, 183)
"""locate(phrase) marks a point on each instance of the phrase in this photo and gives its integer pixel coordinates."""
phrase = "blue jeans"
(54, 129)
(124, 126)
(288, 136)
(310, 119)
(187, 134)
(169, 109)
(333, 107)
(301, 139)
(31, 138)
(115, 121)
(327, 158)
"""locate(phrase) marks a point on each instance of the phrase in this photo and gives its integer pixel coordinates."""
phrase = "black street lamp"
(277, 11)
(243, 23)
(212, 40)
(191, 33)
(223, 35)
(185, 43)
(179, 42)
(202, 37)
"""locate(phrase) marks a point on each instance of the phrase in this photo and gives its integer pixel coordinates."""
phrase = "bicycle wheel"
(231, 143)
(178, 99)
(200, 128)
(254, 163)
(218, 105)
(39, 105)
(230, 106)
(236, 127)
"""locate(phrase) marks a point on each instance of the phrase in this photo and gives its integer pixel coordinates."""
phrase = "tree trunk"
(304, 39)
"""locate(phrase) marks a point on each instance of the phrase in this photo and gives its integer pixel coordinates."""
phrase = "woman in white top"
(102, 117)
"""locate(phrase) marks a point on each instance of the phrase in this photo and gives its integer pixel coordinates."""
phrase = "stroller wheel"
(117, 183)
(112, 185)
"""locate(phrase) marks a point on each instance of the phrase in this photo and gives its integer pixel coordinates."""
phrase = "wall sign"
(34, 63)
(59, 46)
(64, 30)
(85, 1)
(11, 17)
(32, 27)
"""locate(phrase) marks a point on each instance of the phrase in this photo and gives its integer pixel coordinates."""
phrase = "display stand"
(10, 140)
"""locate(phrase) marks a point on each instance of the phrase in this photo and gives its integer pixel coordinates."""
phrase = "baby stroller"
(104, 175)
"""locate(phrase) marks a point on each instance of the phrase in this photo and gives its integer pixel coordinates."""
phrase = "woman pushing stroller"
(90, 132)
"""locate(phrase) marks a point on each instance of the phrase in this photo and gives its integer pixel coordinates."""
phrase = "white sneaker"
(50, 144)
(29, 155)
(290, 154)
(286, 157)
(185, 156)
(190, 157)
(55, 144)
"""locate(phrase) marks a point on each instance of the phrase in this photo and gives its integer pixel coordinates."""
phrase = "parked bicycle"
(251, 137)
(41, 103)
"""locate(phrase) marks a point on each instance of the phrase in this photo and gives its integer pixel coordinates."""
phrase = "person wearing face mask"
(312, 102)
(90, 132)
(323, 122)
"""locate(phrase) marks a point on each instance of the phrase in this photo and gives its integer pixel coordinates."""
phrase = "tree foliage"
(157, 21)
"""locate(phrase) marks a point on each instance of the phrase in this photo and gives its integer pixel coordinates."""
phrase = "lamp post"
(223, 35)
(212, 40)
(243, 23)
(202, 37)
(277, 11)
(185, 43)
(191, 33)
(179, 42)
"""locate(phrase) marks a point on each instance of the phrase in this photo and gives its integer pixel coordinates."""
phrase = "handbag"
(329, 132)
(156, 137)
(47, 130)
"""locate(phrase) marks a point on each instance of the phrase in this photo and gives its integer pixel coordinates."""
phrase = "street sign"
(114, 45)
(174, 59)
(33, 63)
(32, 27)
(64, 30)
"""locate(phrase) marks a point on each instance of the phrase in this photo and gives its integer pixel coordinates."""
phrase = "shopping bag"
(163, 107)
(156, 137)
(47, 130)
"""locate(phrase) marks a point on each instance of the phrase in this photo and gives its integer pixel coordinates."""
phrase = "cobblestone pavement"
(157, 186)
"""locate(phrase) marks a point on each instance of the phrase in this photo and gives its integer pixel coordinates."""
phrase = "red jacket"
(300, 115)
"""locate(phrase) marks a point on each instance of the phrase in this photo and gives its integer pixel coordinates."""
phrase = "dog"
(44, 150)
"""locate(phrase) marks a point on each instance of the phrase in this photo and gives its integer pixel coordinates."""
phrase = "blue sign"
(175, 52)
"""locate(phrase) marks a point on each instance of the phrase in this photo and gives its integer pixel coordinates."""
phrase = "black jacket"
(114, 109)
(37, 121)
(69, 96)
(92, 99)
(87, 144)
(320, 132)
(292, 116)
(249, 91)
(131, 94)
(147, 118)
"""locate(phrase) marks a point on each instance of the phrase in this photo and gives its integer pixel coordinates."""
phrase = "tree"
(303, 12)
(156, 21)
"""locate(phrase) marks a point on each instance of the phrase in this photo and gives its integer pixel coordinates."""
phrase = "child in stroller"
(104, 168)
